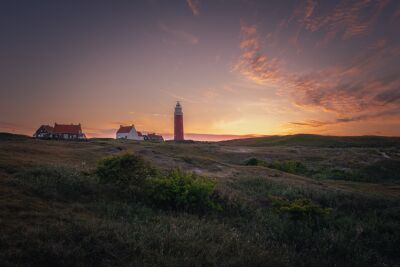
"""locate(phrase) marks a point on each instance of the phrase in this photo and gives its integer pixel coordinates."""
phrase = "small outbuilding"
(153, 137)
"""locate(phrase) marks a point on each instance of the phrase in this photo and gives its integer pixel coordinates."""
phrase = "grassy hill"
(10, 136)
(318, 141)
(294, 205)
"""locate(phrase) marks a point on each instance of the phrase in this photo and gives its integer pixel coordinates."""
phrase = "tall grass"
(80, 219)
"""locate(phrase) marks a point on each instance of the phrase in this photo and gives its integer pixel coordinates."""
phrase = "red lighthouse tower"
(178, 123)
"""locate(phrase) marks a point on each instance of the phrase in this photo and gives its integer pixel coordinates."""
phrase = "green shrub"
(252, 162)
(300, 209)
(336, 174)
(175, 190)
(124, 170)
(290, 166)
(183, 191)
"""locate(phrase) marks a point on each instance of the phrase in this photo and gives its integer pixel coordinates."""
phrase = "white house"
(129, 132)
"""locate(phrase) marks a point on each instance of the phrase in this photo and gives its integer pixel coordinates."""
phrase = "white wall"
(132, 135)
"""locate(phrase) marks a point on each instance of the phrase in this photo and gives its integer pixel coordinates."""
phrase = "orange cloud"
(394, 113)
(350, 92)
(194, 6)
(253, 63)
(348, 19)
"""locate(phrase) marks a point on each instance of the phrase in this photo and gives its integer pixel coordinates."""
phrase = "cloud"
(194, 6)
(389, 97)
(363, 117)
(373, 98)
(180, 35)
(355, 91)
(253, 63)
(309, 8)
(333, 95)
(379, 44)
(348, 19)
(310, 123)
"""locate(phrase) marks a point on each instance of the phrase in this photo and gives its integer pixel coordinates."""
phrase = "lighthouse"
(178, 123)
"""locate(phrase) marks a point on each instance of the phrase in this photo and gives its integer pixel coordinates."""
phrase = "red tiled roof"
(139, 133)
(67, 128)
(125, 129)
(48, 128)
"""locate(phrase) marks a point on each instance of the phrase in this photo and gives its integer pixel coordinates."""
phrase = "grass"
(318, 141)
(55, 210)
(386, 170)
(97, 225)
(357, 230)
(9, 136)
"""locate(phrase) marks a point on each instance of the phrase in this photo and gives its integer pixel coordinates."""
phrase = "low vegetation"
(127, 210)
(174, 189)
(311, 140)
(386, 170)
(183, 191)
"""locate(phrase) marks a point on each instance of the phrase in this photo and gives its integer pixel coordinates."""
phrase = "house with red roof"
(44, 132)
(129, 132)
(61, 131)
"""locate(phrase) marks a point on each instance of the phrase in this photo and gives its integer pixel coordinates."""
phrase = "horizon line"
(224, 137)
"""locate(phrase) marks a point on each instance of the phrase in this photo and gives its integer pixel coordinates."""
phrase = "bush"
(290, 166)
(300, 209)
(252, 162)
(335, 174)
(175, 190)
(182, 191)
(128, 171)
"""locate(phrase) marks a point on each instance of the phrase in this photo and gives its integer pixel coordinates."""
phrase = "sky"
(239, 68)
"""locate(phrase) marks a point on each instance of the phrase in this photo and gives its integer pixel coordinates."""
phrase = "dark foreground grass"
(78, 220)
(62, 216)
(357, 230)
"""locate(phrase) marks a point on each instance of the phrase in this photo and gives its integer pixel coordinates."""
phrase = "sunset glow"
(240, 68)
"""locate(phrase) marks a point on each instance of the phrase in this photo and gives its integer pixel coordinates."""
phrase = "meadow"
(299, 200)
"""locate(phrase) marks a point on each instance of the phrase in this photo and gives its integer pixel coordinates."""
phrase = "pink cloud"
(350, 92)
(194, 6)
(348, 19)
(253, 63)
(394, 113)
